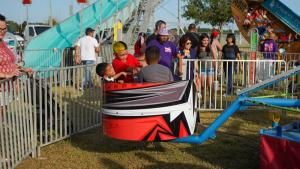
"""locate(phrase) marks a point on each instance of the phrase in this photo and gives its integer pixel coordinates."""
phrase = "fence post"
(34, 153)
(253, 54)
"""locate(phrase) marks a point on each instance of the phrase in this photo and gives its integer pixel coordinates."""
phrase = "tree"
(213, 12)
(13, 26)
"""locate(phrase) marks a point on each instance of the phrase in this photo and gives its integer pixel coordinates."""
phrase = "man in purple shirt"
(168, 51)
(269, 48)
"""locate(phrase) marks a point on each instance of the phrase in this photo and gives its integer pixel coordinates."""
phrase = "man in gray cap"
(86, 49)
(168, 50)
(160, 24)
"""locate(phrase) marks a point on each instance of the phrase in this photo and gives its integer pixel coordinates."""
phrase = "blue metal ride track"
(243, 101)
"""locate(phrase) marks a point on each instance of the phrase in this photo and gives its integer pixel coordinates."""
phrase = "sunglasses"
(189, 43)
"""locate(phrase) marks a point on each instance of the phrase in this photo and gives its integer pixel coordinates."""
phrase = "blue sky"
(39, 10)
(168, 11)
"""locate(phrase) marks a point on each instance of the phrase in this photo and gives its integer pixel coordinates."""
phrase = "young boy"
(125, 62)
(108, 73)
(154, 72)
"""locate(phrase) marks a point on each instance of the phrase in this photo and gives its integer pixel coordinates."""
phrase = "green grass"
(236, 146)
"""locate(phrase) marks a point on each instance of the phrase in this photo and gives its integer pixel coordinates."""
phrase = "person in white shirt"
(86, 49)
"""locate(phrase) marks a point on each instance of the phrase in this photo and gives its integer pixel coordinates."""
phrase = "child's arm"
(180, 63)
(136, 70)
(214, 56)
(120, 74)
(238, 54)
(218, 45)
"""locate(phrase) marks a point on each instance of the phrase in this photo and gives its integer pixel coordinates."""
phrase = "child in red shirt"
(125, 62)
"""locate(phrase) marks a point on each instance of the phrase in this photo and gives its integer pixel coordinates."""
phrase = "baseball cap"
(163, 32)
(88, 30)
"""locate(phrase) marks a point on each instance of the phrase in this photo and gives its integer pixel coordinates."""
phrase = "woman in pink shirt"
(8, 67)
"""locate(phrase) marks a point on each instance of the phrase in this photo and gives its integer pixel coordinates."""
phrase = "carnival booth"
(280, 147)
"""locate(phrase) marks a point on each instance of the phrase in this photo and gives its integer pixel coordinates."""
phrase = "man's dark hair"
(152, 54)
(2, 18)
(158, 23)
(192, 26)
(100, 68)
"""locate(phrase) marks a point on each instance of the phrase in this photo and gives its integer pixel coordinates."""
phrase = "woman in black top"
(230, 52)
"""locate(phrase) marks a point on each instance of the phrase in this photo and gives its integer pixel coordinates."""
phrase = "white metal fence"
(56, 103)
(49, 107)
(248, 55)
(219, 80)
(293, 83)
(65, 105)
(17, 124)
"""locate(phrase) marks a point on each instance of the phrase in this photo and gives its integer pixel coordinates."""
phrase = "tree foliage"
(13, 26)
(213, 12)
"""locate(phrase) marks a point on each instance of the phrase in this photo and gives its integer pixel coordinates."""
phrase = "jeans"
(87, 76)
(228, 74)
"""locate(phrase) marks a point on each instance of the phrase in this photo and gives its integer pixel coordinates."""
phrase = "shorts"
(207, 72)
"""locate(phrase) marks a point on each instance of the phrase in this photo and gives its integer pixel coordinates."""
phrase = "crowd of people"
(157, 59)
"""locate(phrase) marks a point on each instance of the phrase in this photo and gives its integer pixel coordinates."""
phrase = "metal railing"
(17, 122)
(246, 54)
(51, 106)
(219, 80)
(57, 103)
(66, 103)
(107, 53)
(293, 83)
(58, 58)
